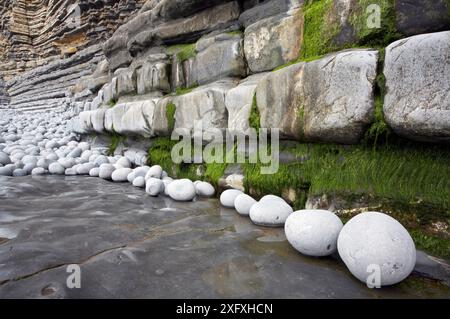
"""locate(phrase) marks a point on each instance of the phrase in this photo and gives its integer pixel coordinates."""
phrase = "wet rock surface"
(131, 245)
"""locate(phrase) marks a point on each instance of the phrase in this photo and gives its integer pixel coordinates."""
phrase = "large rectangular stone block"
(326, 100)
(204, 107)
(153, 77)
(273, 41)
(218, 57)
(417, 102)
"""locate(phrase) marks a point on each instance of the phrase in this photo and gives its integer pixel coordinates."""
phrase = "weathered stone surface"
(422, 16)
(113, 117)
(267, 9)
(203, 109)
(277, 103)
(153, 77)
(327, 100)
(273, 41)
(126, 82)
(239, 103)
(160, 122)
(417, 103)
(137, 119)
(42, 31)
(336, 93)
(120, 224)
(148, 28)
(84, 124)
(218, 57)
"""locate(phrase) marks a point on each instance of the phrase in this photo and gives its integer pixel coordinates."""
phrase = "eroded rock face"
(239, 103)
(150, 28)
(36, 32)
(336, 93)
(273, 41)
(153, 77)
(276, 101)
(138, 118)
(417, 103)
(267, 9)
(203, 109)
(327, 100)
(218, 57)
(422, 16)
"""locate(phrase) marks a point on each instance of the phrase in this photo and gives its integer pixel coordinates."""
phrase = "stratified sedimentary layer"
(35, 32)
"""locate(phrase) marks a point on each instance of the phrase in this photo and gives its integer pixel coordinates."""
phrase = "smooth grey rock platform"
(129, 244)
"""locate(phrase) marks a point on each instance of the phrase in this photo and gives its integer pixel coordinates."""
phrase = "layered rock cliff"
(324, 96)
(61, 37)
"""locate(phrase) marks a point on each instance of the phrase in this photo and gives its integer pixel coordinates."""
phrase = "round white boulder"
(243, 203)
(121, 174)
(94, 172)
(101, 159)
(131, 177)
(313, 232)
(204, 189)
(139, 182)
(38, 171)
(154, 172)
(124, 162)
(181, 190)
(4, 158)
(67, 162)
(154, 186)
(85, 168)
(271, 198)
(5, 171)
(227, 197)
(167, 181)
(272, 213)
(70, 171)
(371, 241)
(19, 172)
(56, 168)
(106, 171)
(43, 163)
(141, 171)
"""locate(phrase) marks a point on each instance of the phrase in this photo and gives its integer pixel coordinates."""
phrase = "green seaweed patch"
(255, 117)
(379, 131)
(318, 31)
(386, 34)
(170, 115)
(112, 102)
(116, 140)
(388, 173)
(432, 244)
(185, 90)
(160, 153)
(235, 32)
(183, 52)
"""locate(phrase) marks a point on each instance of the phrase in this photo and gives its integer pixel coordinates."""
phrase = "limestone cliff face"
(35, 32)
(285, 62)
(58, 36)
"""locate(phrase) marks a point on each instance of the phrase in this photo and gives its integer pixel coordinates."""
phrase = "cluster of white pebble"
(45, 146)
(369, 241)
